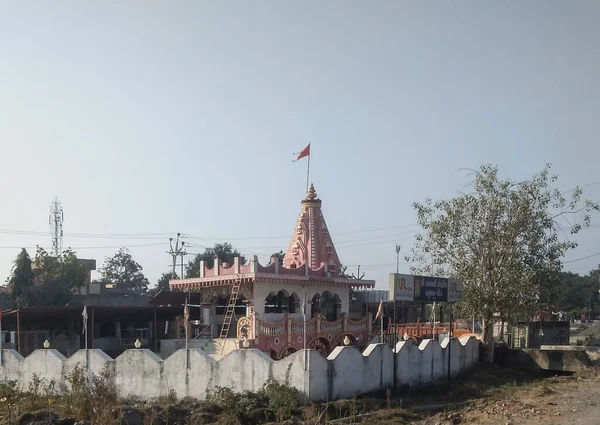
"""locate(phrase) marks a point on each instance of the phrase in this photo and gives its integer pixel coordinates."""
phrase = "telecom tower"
(55, 219)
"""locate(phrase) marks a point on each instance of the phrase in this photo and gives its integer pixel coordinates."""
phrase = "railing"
(298, 327)
(357, 325)
(331, 327)
(272, 329)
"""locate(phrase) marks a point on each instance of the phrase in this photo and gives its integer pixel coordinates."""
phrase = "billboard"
(454, 290)
(401, 287)
(425, 289)
(431, 289)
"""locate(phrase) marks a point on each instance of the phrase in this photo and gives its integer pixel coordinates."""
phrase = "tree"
(57, 278)
(279, 256)
(224, 252)
(343, 272)
(122, 269)
(505, 240)
(52, 282)
(163, 283)
(21, 281)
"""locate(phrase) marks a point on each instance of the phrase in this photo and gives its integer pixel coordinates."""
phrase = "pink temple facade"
(301, 302)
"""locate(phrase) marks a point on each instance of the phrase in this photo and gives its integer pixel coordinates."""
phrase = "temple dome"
(311, 242)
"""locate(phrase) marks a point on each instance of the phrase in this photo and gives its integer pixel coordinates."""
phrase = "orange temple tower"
(300, 302)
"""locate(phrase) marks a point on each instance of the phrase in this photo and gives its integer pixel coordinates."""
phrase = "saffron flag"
(379, 310)
(186, 312)
(85, 319)
(304, 152)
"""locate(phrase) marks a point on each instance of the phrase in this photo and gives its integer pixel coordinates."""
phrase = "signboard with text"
(425, 289)
(401, 287)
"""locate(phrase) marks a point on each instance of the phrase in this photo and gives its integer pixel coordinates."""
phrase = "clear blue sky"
(156, 117)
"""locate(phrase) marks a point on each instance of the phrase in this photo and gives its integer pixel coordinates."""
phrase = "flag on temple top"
(379, 310)
(304, 152)
(85, 318)
(186, 312)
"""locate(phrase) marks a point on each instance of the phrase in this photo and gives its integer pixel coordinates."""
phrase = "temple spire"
(311, 194)
(311, 242)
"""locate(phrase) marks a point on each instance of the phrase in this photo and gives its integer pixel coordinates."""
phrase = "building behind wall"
(276, 299)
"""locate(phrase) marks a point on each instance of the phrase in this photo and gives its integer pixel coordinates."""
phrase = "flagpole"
(187, 318)
(1, 337)
(308, 172)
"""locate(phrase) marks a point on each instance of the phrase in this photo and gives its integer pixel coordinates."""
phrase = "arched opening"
(315, 305)
(352, 339)
(279, 303)
(274, 355)
(221, 305)
(327, 305)
(294, 304)
(321, 345)
(330, 306)
(286, 352)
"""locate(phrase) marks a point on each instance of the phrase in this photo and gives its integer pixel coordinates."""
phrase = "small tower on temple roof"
(311, 242)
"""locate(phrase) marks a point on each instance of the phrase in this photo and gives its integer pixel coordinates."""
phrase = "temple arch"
(328, 305)
(315, 305)
(280, 302)
(294, 304)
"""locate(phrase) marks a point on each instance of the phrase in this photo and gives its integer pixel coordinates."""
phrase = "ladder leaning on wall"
(229, 311)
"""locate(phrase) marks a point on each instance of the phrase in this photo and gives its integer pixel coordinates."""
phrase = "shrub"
(282, 400)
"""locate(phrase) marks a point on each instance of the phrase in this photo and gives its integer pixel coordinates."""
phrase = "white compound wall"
(141, 374)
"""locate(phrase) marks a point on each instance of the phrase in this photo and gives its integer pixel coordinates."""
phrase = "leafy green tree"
(21, 281)
(163, 282)
(122, 269)
(504, 239)
(279, 256)
(57, 278)
(224, 252)
(344, 272)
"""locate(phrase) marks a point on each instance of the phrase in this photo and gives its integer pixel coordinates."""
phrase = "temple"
(299, 302)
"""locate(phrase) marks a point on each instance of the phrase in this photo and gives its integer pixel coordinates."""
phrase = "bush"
(274, 401)
(283, 400)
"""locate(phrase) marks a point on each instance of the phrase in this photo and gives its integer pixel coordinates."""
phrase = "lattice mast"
(55, 219)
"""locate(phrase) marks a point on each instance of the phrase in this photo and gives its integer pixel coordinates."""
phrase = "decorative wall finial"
(311, 194)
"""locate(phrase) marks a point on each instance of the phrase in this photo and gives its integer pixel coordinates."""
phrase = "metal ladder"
(229, 311)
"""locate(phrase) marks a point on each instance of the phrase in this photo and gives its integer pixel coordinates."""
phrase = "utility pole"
(398, 247)
(175, 252)
(55, 219)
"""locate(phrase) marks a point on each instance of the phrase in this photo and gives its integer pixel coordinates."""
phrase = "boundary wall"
(141, 374)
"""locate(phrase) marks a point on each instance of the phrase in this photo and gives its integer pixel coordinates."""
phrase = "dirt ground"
(558, 400)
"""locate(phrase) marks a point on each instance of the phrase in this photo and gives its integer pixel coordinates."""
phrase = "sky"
(150, 118)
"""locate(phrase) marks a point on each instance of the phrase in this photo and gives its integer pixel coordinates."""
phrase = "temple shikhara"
(279, 308)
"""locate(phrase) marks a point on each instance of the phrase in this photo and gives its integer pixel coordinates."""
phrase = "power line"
(582, 187)
(88, 247)
(582, 258)
(210, 239)
(88, 235)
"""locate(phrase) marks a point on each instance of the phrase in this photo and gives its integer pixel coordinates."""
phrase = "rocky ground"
(555, 400)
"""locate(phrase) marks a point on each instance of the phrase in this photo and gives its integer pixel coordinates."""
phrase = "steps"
(215, 347)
